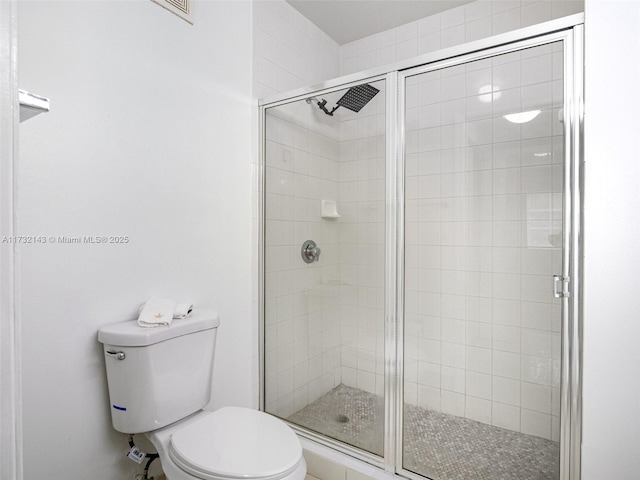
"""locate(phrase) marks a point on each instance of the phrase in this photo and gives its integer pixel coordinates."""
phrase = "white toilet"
(159, 381)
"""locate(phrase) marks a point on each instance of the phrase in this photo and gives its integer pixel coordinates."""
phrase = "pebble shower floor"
(437, 445)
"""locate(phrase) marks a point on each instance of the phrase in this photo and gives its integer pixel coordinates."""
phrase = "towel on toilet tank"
(156, 312)
(181, 311)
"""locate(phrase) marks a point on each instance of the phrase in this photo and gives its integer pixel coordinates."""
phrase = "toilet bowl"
(229, 443)
(159, 381)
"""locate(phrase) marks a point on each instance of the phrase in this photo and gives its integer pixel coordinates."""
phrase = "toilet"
(159, 382)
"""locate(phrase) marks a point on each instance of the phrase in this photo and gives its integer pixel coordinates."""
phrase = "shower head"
(358, 97)
(355, 98)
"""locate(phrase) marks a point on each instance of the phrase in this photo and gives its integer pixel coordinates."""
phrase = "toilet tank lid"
(130, 334)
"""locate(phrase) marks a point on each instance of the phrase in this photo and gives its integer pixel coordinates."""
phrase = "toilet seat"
(236, 443)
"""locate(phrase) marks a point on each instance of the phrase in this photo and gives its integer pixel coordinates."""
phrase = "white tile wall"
(483, 241)
(474, 21)
(361, 228)
(302, 305)
(289, 50)
(324, 321)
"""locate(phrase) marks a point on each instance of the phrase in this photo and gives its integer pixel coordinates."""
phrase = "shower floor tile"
(363, 410)
(437, 445)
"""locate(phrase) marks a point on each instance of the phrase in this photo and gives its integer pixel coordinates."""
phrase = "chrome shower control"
(310, 252)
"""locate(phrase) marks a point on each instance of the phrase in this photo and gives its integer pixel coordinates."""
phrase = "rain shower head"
(355, 98)
(358, 97)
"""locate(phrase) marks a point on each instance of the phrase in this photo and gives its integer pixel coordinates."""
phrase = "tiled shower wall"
(302, 303)
(474, 21)
(362, 243)
(533, 408)
(288, 52)
(483, 236)
(324, 321)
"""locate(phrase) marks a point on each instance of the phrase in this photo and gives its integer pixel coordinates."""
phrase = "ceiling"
(349, 20)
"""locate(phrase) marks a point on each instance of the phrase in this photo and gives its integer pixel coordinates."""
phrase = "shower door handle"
(560, 286)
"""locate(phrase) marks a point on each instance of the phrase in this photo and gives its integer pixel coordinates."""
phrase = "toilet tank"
(159, 375)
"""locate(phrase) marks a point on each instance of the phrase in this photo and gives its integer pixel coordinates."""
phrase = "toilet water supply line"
(138, 456)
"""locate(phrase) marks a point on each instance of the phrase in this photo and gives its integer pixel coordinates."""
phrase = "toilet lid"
(236, 442)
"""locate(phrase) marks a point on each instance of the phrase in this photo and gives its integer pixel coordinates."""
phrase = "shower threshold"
(436, 445)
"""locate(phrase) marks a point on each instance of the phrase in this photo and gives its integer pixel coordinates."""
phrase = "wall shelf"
(31, 105)
(328, 209)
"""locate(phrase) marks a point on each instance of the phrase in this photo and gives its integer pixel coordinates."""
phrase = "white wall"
(611, 394)
(148, 137)
(10, 392)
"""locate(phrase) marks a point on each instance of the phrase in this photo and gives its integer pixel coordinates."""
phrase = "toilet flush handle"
(118, 355)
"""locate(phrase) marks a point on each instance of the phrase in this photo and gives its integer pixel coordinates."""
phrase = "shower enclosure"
(420, 260)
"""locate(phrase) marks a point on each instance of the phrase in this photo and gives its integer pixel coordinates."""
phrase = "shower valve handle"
(310, 252)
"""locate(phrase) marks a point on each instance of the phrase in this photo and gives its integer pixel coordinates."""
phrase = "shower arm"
(322, 105)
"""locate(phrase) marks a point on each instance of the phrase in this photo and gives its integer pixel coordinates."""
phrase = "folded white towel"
(157, 311)
(182, 310)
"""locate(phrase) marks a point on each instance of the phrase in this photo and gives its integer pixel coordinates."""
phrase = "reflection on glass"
(325, 167)
(483, 240)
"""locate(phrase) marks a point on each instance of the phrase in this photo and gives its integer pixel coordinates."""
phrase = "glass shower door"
(324, 263)
(484, 158)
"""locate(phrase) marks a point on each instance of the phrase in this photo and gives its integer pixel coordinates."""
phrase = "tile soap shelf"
(328, 209)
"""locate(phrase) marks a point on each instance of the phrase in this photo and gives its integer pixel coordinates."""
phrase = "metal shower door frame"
(342, 83)
(571, 333)
(570, 31)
